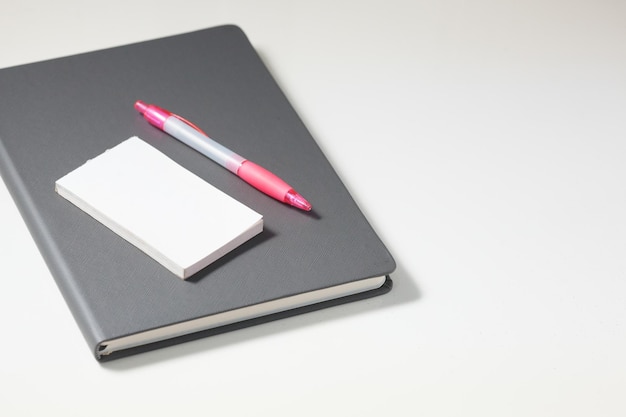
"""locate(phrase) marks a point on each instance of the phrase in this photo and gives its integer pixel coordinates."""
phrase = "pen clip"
(187, 122)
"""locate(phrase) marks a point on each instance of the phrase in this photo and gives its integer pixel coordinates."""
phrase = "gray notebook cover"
(57, 114)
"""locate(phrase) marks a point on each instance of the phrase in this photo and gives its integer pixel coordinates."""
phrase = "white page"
(171, 214)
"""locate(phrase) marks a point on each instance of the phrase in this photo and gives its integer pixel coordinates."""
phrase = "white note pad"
(171, 214)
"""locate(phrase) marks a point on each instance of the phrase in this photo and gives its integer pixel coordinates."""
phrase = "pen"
(191, 135)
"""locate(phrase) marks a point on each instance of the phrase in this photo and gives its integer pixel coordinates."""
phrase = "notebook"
(57, 114)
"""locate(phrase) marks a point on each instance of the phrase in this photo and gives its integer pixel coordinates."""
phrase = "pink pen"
(248, 171)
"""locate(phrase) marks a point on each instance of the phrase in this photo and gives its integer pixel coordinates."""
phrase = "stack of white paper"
(171, 214)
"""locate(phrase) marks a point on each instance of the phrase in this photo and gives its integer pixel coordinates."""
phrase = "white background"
(485, 141)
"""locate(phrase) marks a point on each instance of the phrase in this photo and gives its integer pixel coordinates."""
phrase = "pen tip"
(140, 106)
(297, 200)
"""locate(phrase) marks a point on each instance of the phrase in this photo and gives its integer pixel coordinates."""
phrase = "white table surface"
(486, 143)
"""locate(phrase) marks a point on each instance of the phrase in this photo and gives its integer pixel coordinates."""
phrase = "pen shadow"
(313, 214)
(404, 291)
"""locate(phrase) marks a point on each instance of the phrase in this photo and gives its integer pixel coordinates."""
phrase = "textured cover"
(56, 114)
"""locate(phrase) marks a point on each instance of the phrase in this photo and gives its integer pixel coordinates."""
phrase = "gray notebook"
(57, 114)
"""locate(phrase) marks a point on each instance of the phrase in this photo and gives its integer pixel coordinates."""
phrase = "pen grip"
(263, 180)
